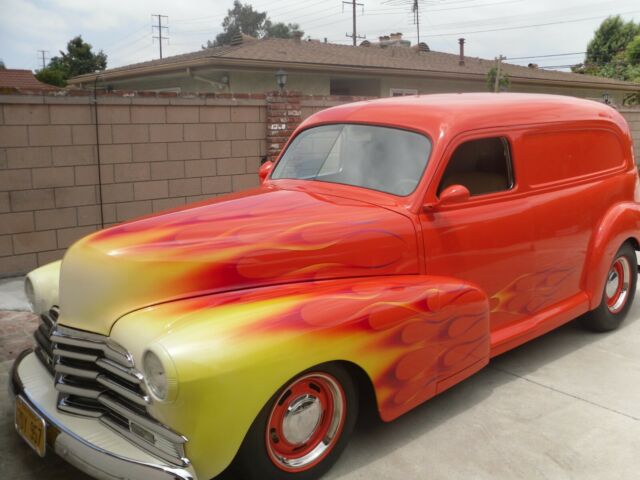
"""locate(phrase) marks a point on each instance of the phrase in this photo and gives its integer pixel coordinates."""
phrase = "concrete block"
(55, 218)
(115, 154)
(167, 170)
(150, 152)
(50, 256)
(29, 157)
(219, 184)
(215, 114)
(6, 245)
(132, 172)
(184, 151)
(151, 190)
(166, 133)
(245, 148)
(200, 168)
(245, 114)
(71, 114)
(227, 131)
(53, 177)
(34, 242)
(184, 187)
(74, 155)
(18, 179)
(231, 166)
(167, 203)
(199, 132)
(117, 192)
(26, 114)
(49, 135)
(215, 149)
(129, 210)
(5, 204)
(18, 264)
(13, 136)
(148, 114)
(113, 114)
(75, 196)
(26, 200)
(86, 134)
(182, 114)
(16, 223)
(130, 133)
(88, 215)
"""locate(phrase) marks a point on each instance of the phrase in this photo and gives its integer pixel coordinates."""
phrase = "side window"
(483, 166)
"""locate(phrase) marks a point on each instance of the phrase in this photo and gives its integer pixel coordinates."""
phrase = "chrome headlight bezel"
(160, 375)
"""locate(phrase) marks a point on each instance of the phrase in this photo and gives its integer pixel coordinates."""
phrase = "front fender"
(619, 224)
(233, 351)
(42, 287)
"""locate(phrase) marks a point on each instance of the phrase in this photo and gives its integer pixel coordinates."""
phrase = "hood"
(262, 237)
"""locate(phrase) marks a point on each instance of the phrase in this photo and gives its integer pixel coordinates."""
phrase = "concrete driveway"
(565, 406)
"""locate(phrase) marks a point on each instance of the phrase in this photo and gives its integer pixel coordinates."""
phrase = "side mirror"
(265, 168)
(450, 196)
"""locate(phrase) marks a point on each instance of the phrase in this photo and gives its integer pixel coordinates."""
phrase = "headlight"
(30, 293)
(155, 375)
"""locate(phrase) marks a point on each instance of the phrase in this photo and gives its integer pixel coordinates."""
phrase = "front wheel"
(302, 430)
(619, 291)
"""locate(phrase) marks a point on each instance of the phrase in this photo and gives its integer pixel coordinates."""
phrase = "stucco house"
(385, 68)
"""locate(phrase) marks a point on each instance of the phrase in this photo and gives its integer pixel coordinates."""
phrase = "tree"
(2, 65)
(503, 83)
(242, 18)
(614, 51)
(77, 60)
(281, 30)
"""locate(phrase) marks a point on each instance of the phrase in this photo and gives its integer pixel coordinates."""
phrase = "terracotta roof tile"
(22, 80)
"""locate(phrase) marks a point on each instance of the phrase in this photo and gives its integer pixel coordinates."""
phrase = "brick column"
(283, 116)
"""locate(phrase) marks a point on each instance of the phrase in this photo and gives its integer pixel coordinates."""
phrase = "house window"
(402, 92)
(483, 166)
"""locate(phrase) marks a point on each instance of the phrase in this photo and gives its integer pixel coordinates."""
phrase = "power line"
(161, 29)
(547, 56)
(354, 34)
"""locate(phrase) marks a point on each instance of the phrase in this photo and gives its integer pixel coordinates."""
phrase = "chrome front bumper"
(85, 442)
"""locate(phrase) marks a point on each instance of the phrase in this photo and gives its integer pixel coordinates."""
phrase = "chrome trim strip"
(133, 438)
(128, 374)
(109, 352)
(73, 390)
(75, 355)
(142, 421)
(124, 391)
(83, 412)
(77, 372)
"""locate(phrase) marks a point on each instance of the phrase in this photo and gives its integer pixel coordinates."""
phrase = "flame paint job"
(246, 291)
(262, 237)
(408, 333)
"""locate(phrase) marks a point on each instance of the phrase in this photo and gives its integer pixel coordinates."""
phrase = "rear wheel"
(302, 430)
(619, 291)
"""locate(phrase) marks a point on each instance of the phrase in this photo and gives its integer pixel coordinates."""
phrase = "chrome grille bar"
(97, 378)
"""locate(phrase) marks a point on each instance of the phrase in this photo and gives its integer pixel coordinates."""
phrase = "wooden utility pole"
(496, 87)
(354, 35)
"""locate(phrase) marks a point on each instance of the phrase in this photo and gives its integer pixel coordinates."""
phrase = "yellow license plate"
(31, 426)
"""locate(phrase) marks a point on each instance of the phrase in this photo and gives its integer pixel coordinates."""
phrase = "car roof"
(452, 113)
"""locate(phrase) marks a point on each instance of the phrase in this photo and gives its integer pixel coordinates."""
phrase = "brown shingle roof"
(329, 56)
(22, 80)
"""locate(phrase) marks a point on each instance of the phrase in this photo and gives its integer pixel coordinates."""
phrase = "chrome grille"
(96, 378)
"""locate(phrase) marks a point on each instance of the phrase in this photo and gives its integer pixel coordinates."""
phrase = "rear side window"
(556, 156)
(483, 166)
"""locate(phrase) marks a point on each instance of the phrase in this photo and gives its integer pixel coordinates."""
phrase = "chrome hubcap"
(302, 419)
(617, 286)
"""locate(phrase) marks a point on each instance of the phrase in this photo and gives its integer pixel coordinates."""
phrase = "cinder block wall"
(155, 153)
(632, 115)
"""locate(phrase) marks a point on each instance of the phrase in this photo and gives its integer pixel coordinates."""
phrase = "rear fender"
(619, 224)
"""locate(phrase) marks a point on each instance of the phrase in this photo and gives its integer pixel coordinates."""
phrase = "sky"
(551, 33)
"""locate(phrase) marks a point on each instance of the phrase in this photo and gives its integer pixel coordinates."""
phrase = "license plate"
(31, 426)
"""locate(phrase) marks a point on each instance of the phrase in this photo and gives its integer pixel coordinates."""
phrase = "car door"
(487, 238)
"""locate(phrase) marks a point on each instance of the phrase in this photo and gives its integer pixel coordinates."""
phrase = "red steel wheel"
(305, 422)
(617, 286)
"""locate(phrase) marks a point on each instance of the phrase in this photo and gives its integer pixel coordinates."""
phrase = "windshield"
(380, 158)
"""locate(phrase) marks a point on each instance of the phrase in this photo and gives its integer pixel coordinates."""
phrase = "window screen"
(483, 166)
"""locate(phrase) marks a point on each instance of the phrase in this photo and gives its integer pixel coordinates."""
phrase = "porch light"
(281, 79)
